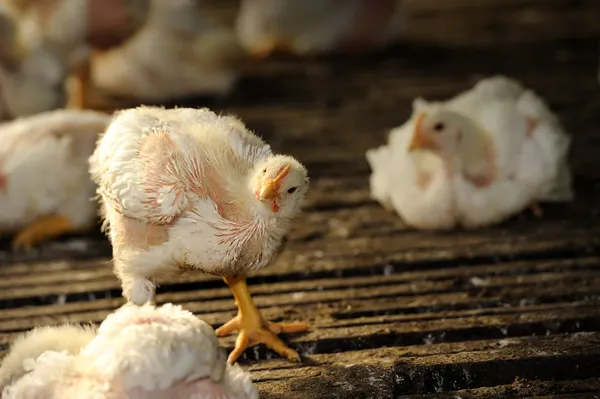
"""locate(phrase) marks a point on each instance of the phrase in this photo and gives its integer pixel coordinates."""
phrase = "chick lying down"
(474, 160)
(138, 352)
(45, 189)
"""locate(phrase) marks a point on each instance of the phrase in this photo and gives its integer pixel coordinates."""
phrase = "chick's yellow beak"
(419, 140)
(270, 189)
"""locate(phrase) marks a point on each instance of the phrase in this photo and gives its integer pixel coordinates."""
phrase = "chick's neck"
(476, 158)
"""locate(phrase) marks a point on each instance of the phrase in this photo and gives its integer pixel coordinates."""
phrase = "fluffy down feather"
(180, 188)
(138, 353)
(34, 343)
(43, 167)
(509, 151)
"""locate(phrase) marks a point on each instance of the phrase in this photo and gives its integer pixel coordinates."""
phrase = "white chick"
(180, 51)
(45, 41)
(317, 26)
(45, 188)
(186, 188)
(37, 341)
(474, 160)
(138, 353)
(45, 38)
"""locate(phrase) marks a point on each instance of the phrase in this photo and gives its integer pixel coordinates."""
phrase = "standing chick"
(45, 188)
(317, 26)
(474, 160)
(138, 353)
(187, 188)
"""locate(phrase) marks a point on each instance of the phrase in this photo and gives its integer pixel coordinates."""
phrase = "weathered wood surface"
(506, 312)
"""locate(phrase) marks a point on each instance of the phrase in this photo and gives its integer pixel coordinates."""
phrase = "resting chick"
(45, 41)
(45, 188)
(317, 26)
(138, 353)
(197, 56)
(32, 344)
(473, 160)
(187, 188)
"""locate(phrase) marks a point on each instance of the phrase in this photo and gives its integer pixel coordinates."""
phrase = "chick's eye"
(292, 190)
(264, 170)
(438, 127)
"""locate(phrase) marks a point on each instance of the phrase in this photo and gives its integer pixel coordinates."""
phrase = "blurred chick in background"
(45, 189)
(141, 352)
(181, 50)
(474, 160)
(317, 26)
(45, 41)
(96, 54)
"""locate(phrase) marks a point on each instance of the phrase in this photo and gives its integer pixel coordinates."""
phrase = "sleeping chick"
(45, 189)
(138, 352)
(187, 188)
(180, 51)
(317, 26)
(37, 341)
(474, 160)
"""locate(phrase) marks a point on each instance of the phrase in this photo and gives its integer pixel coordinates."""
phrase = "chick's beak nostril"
(270, 189)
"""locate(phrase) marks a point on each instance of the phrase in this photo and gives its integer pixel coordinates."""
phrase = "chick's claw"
(250, 335)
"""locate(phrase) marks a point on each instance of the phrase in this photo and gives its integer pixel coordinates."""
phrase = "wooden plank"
(489, 276)
(399, 372)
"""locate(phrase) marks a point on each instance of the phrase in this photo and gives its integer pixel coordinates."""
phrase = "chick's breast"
(175, 171)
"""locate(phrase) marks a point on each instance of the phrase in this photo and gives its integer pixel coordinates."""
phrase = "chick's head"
(440, 131)
(279, 184)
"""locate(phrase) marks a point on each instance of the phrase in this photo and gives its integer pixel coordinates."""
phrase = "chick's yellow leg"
(77, 94)
(42, 229)
(253, 329)
(266, 48)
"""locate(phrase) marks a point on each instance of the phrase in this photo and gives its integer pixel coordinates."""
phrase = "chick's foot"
(40, 230)
(253, 329)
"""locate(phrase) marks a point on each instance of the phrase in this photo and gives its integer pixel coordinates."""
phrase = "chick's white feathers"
(43, 167)
(138, 353)
(199, 55)
(28, 347)
(317, 26)
(415, 186)
(149, 159)
(473, 160)
(184, 187)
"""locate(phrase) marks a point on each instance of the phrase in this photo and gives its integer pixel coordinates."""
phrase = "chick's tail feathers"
(555, 144)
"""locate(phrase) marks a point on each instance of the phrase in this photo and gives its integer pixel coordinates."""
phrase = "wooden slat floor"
(506, 312)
